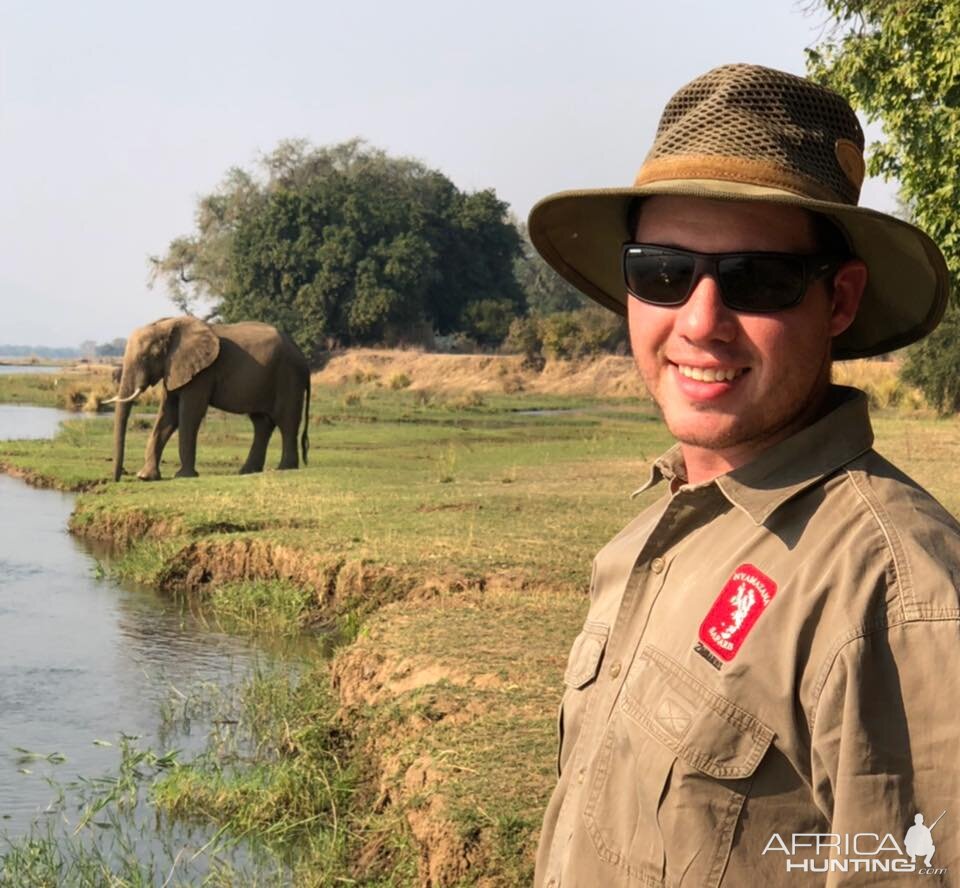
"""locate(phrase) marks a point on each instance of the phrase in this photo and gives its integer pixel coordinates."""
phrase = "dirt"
(410, 693)
(122, 529)
(369, 677)
(407, 693)
(45, 482)
(362, 677)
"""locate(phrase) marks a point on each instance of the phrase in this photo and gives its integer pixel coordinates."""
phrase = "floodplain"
(437, 548)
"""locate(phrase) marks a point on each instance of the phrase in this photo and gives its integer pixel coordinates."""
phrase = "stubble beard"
(751, 429)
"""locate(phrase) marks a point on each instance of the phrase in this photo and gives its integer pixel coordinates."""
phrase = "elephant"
(247, 368)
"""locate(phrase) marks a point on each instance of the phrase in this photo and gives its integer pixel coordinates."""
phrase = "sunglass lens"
(658, 278)
(758, 284)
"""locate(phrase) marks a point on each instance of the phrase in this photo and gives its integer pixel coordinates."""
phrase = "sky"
(115, 117)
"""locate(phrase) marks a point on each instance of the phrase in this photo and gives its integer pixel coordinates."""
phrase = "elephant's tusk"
(118, 400)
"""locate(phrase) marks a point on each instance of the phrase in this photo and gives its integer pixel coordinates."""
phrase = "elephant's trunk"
(120, 417)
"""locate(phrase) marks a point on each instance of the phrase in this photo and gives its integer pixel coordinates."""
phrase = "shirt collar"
(782, 471)
(668, 467)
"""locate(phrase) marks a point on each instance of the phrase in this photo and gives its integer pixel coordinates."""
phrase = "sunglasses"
(748, 282)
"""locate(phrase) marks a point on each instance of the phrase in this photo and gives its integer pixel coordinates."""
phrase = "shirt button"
(614, 670)
(552, 883)
(656, 565)
(581, 774)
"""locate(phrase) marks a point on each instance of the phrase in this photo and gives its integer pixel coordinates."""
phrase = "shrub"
(566, 335)
(524, 339)
(488, 320)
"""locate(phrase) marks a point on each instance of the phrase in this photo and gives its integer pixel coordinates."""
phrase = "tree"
(112, 349)
(545, 290)
(349, 244)
(898, 61)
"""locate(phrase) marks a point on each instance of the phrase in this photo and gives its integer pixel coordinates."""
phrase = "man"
(764, 691)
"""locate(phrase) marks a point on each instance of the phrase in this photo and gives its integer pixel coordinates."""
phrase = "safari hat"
(746, 133)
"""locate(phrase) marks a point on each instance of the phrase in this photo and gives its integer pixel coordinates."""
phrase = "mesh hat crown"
(743, 132)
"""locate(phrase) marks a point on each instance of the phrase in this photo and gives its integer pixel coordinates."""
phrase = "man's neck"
(703, 464)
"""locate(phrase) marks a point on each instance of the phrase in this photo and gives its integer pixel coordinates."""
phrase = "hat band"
(735, 169)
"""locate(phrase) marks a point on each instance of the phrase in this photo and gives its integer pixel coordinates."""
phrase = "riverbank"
(446, 535)
(448, 538)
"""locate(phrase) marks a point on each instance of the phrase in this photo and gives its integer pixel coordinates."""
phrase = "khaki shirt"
(770, 665)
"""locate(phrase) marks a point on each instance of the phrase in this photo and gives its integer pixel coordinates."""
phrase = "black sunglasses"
(748, 282)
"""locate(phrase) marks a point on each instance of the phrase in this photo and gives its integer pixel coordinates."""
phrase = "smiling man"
(764, 688)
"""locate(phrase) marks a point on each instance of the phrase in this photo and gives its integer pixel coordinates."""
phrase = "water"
(18, 421)
(9, 369)
(83, 658)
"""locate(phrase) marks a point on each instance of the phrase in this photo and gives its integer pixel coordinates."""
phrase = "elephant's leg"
(289, 424)
(263, 427)
(193, 407)
(163, 428)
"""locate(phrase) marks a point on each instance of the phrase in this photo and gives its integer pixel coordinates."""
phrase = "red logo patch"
(738, 606)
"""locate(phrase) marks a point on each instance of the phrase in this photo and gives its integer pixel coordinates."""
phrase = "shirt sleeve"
(885, 747)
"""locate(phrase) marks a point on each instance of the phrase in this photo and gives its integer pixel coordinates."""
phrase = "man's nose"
(704, 317)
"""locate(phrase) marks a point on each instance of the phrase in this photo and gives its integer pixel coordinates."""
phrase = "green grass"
(418, 486)
(449, 540)
(486, 514)
(99, 835)
(268, 803)
(283, 774)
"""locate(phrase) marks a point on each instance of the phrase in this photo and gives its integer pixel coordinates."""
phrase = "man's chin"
(708, 436)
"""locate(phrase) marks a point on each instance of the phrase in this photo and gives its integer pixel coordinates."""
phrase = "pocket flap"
(704, 728)
(585, 655)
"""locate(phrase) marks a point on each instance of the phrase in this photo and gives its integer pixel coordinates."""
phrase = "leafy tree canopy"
(546, 291)
(348, 244)
(898, 61)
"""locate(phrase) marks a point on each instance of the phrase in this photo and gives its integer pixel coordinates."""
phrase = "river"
(17, 369)
(84, 659)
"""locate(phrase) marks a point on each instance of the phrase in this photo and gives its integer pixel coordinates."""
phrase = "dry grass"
(460, 693)
(76, 387)
(460, 527)
(881, 381)
(610, 376)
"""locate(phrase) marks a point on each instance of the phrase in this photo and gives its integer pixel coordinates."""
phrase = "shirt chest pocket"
(670, 779)
(583, 665)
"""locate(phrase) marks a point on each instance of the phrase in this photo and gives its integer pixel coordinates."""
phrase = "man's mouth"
(710, 374)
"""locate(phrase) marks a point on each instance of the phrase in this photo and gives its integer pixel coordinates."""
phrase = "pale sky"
(116, 116)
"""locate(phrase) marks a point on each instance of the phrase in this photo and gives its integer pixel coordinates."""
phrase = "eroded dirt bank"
(447, 681)
(444, 689)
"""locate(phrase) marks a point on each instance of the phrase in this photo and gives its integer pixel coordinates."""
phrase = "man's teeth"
(709, 374)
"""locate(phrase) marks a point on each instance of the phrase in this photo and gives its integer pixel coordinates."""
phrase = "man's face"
(780, 362)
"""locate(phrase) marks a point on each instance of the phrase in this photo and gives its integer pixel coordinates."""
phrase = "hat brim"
(580, 234)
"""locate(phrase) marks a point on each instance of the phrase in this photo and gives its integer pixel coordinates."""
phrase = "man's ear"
(849, 282)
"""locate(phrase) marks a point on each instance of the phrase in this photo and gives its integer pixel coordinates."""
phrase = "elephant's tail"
(305, 437)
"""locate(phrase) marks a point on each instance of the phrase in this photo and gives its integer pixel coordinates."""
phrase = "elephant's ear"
(193, 347)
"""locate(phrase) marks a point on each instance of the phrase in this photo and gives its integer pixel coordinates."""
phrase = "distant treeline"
(87, 349)
(345, 245)
(37, 351)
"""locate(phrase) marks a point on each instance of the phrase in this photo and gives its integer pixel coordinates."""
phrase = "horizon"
(117, 120)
